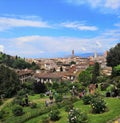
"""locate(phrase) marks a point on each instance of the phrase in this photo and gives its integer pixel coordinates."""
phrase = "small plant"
(68, 107)
(76, 116)
(87, 99)
(17, 110)
(98, 105)
(58, 98)
(33, 105)
(45, 119)
(18, 100)
(54, 115)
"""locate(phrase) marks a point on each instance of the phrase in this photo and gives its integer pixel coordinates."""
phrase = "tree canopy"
(9, 82)
(16, 62)
(113, 57)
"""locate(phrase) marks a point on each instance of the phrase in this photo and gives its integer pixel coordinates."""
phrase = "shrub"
(104, 86)
(33, 105)
(54, 115)
(1, 114)
(17, 110)
(18, 100)
(22, 92)
(87, 99)
(76, 116)
(98, 105)
(68, 107)
(58, 98)
(45, 120)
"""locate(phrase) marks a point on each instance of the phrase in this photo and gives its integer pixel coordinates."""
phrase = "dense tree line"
(113, 57)
(9, 82)
(16, 62)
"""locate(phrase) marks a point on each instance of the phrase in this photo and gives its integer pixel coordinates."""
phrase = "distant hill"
(85, 55)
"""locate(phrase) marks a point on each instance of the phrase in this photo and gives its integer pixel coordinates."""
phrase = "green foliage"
(95, 72)
(33, 105)
(1, 102)
(9, 82)
(87, 99)
(69, 107)
(22, 92)
(17, 110)
(58, 98)
(76, 116)
(113, 57)
(39, 87)
(1, 114)
(72, 62)
(18, 100)
(116, 71)
(104, 86)
(45, 119)
(85, 77)
(16, 62)
(54, 115)
(98, 105)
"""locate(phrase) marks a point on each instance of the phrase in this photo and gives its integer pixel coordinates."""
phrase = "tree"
(113, 57)
(9, 82)
(116, 71)
(96, 72)
(39, 87)
(85, 78)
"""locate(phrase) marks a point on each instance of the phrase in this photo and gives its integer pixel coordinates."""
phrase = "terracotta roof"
(53, 75)
(24, 72)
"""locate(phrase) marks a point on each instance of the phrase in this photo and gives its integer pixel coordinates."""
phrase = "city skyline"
(44, 29)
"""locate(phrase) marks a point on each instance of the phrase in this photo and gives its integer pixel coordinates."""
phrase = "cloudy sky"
(53, 28)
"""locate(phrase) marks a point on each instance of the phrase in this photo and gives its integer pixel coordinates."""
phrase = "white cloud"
(79, 26)
(83, 49)
(101, 4)
(98, 44)
(1, 48)
(7, 23)
(113, 4)
(117, 24)
(49, 46)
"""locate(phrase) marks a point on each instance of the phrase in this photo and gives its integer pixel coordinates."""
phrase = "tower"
(72, 53)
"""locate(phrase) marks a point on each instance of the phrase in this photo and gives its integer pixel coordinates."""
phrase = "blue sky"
(53, 28)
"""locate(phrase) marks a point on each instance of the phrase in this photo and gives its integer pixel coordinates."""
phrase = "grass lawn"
(112, 103)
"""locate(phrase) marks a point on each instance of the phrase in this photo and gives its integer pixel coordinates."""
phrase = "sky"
(53, 28)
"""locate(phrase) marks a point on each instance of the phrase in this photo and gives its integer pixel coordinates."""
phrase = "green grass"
(113, 111)
(33, 115)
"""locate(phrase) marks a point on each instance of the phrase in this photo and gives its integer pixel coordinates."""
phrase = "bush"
(18, 100)
(54, 115)
(76, 116)
(58, 98)
(98, 105)
(87, 99)
(33, 105)
(22, 92)
(68, 107)
(17, 110)
(45, 120)
(1, 114)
